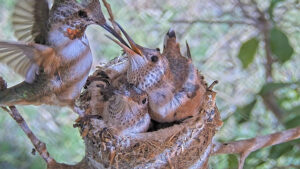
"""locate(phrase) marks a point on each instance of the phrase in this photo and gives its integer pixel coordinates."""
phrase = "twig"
(270, 102)
(266, 38)
(108, 7)
(245, 147)
(244, 11)
(261, 13)
(14, 113)
(39, 146)
(112, 18)
(212, 22)
(213, 85)
(170, 162)
(269, 64)
(269, 98)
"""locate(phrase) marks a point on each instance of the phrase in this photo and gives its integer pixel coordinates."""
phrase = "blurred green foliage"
(232, 53)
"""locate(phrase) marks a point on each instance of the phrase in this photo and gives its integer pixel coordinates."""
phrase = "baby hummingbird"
(127, 110)
(170, 80)
(54, 55)
(189, 83)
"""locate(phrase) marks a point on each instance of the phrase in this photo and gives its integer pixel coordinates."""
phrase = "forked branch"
(245, 147)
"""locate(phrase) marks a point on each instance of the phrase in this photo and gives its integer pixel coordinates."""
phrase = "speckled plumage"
(127, 110)
(170, 79)
(187, 96)
(147, 76)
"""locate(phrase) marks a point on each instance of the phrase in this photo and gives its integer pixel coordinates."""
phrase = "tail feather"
(9, 98)
(19, 94)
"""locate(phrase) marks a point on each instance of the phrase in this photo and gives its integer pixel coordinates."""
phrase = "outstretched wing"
(30, 20)
(25, 58)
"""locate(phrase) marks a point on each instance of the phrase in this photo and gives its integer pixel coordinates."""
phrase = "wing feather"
(30, 20)
(23, 57)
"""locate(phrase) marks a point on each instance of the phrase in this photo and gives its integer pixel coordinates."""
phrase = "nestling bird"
(170, 79)
(122, 107)
(54, 54)
(127, 110)
(188, 81)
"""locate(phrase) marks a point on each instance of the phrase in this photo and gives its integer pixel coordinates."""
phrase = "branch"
(40, 147)
(112, 18)
(268, 99)
(266, 38)
(212, 22)
(245, 147)
(270, 102)
(244, 11)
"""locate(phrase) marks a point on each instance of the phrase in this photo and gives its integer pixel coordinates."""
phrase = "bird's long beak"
(94, 9)
(114, 33)
(136, 60)
(133, 45)
(126, 49)
(135, 55)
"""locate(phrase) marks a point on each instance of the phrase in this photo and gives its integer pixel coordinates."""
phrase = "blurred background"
(252, 47)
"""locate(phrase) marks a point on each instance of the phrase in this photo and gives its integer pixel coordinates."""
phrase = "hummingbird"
(126, 110)
(53, 53)
(171, 81)
(122, 107)
(188, 81)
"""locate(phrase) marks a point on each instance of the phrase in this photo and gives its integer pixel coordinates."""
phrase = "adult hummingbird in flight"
(171, 81)
(53, 54)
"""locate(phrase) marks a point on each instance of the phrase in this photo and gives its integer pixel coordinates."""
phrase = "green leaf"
(295, 110)
(297, 155)
(279, 150)
(294, 122)
(280, 45)
(272, 7)
(275, 86)
(232, 162)
(255, 159)
(243, 113)
(247, 52)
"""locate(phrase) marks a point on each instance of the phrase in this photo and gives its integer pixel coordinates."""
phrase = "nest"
(183, 144)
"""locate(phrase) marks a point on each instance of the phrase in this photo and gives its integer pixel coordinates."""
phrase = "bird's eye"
(82, 14)
(157, 49)
(144, 101)
(154, 59)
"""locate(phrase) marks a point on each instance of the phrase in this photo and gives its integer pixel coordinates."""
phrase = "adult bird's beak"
(114, 33)
(95, 13)
(135, 54)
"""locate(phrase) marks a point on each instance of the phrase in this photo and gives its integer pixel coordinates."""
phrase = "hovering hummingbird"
(171, 81)
(54, 54)
(127, 110)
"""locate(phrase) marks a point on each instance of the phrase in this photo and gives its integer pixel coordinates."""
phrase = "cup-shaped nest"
(185, 144)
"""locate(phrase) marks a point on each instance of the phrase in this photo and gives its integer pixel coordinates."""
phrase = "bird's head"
(75, 15)
(129, 99)
(146, 66)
